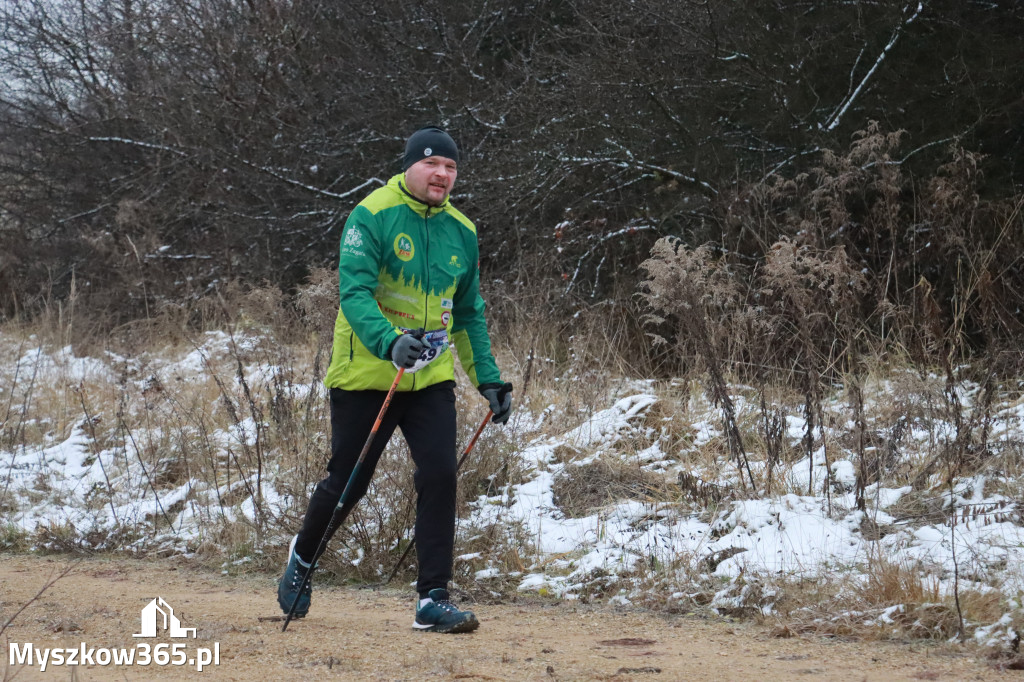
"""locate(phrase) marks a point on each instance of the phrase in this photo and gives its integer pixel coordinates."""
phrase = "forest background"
(155, 151)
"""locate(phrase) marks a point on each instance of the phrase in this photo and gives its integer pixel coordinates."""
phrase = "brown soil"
(360, 634)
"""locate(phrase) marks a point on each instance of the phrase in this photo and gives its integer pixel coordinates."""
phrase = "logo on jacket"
(403, 247)
(354, 237)
(454, 262)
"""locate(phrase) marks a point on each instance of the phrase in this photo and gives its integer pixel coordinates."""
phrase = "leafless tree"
(152, 150)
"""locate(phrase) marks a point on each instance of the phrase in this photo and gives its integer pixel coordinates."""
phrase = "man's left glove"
(500, 398)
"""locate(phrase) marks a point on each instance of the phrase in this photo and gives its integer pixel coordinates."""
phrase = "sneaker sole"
(286, 609)
(467, 625)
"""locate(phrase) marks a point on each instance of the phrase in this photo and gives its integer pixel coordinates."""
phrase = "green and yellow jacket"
(407, 265)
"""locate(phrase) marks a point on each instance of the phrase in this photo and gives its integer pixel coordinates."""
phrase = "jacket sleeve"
(469, 328)
(358, 273)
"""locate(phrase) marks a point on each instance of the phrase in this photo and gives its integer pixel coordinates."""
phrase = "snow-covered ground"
(109, 491)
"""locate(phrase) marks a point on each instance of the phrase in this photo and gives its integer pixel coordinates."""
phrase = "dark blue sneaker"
(440, 615)
(288, 586)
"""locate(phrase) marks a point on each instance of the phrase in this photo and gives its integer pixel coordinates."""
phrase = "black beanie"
(426, 142)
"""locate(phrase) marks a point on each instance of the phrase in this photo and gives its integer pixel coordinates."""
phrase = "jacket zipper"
(426, 255)
(426, 277)
(426, 280)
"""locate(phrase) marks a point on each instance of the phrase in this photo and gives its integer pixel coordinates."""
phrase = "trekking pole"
(465, 454)
(335, 521)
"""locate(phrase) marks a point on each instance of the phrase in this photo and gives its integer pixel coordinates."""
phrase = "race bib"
(437, 342)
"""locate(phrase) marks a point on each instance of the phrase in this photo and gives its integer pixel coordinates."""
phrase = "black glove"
(500, 398)
(406, 349)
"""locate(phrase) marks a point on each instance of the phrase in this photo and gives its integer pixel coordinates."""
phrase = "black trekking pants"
(427, 420)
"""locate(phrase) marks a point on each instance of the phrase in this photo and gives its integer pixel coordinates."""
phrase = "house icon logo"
(159, 614)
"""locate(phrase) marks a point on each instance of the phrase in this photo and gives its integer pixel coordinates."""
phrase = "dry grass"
(889, 599)
(580, 490)
(888, 582)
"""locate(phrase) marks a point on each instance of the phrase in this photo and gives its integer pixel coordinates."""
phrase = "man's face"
(431, 179)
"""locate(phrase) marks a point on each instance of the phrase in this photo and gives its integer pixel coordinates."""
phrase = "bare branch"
(836, 117)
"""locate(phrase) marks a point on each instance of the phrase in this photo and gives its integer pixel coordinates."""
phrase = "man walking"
(410, 287)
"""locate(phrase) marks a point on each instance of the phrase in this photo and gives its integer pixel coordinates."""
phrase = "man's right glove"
(406, 349)
(500, 398)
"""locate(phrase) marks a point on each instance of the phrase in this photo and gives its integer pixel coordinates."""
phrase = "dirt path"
(356, 634)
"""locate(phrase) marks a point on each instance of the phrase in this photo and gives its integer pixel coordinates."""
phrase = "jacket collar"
(398, 184)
